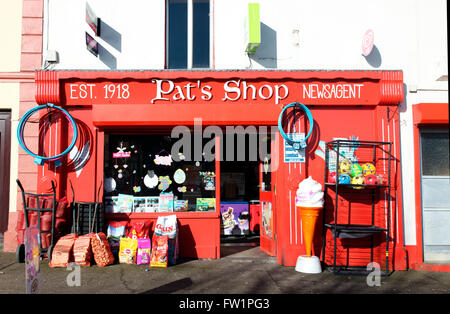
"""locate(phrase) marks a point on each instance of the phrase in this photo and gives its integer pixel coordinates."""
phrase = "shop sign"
(92, 20)
(252, 29)
(290, 153)
(160, 91)
(91, 45)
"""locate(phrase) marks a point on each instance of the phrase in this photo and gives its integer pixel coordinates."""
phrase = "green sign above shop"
(253, 29)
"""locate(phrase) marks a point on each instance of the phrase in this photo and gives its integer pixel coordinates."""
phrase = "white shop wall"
(410, 35)
(132, 35)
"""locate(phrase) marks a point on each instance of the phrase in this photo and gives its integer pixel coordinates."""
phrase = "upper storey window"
(188, 34)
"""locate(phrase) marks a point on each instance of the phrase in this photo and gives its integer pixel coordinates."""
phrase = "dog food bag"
(159, 252)
(144, 251)
(168, 225)
(128, 251)
(116, 230)
(101, 249)
(139, 230)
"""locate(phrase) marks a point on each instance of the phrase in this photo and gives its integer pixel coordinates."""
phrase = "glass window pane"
(432, 196)
(200, 54)
(435, 153)
(139, 176)
(177, 39)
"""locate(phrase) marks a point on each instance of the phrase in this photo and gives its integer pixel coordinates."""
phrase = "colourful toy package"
(206, 204)
(371, 179)
(357, 180)
(344, 179)
(356, 170)
(345, 167)
(368, 169)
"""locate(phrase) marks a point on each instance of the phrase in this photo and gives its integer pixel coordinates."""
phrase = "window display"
(141, 176)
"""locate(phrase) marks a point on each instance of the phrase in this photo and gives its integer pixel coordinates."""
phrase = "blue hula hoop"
(41, 159)
(301, 143)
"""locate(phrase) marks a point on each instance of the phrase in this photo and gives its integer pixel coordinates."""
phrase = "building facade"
(21, 55)
(190, 43)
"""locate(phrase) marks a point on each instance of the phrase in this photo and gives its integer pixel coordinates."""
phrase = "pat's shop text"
(164, 90)
(226, 303)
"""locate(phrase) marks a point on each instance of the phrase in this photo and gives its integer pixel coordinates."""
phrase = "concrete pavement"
(244, 269)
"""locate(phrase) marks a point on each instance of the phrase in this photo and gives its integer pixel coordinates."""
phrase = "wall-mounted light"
(52, 56)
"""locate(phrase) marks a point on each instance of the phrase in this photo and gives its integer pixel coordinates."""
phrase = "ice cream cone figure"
(309, 202)
(309, 216)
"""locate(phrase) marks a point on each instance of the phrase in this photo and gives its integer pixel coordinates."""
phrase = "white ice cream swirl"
(309, 193)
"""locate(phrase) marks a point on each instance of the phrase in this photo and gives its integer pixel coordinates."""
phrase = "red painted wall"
(424, 115)
(366, 117)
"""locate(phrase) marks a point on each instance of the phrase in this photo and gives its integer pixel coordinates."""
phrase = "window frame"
(190, 35)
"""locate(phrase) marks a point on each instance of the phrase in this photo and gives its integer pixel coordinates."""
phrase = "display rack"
(357, 212)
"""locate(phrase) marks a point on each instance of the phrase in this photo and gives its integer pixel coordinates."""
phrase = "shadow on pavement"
(171, 287)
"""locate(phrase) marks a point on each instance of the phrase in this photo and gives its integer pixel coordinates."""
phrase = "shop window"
(140, 175)
(188, 34)
(435, 152)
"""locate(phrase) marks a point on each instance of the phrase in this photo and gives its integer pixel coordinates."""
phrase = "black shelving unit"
(379, 154)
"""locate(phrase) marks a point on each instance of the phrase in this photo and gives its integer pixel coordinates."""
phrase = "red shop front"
(136, 113)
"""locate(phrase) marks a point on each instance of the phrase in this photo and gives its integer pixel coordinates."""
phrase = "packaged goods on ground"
(82, 250)
(168, 225)
(159, 251)
(101, 250)
(62, 253)
(128, 251)
(144, 251)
